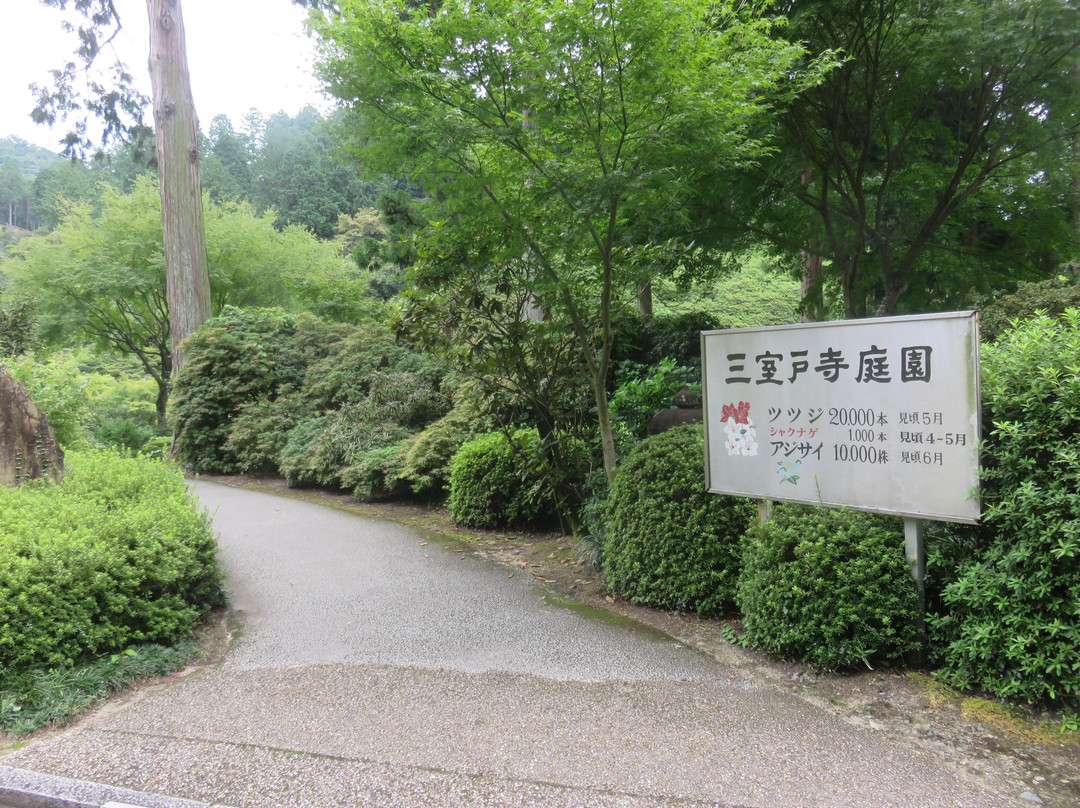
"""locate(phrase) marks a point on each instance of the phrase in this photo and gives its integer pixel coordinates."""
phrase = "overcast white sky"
(241, 54)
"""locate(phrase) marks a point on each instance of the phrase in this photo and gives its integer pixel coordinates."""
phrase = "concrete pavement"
(373, 668)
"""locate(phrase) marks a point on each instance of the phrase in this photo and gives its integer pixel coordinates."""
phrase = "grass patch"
(1014, 721)
(40, 697)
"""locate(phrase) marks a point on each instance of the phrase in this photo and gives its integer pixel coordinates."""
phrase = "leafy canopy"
(550, 129)
(939, 157)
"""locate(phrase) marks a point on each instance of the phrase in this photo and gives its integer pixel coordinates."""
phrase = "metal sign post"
(916, 557)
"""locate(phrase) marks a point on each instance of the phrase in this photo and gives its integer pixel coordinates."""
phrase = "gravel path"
(375, 668)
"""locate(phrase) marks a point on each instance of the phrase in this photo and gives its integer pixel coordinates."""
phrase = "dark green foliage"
(123, 433)
(378, 474)
(1010, 620)
(345, 373)
(495, 482)
(828, 586)
(267, 392)
(298, 177)
(116, 554)
(641, 391)
(259, 432)
(16, 328)
(649, 340)
(426, 464)
(667, 542)
(1052, 296)
(237, 359)
(320, 449)
(51, 696)
(383, 406)
(362, 365)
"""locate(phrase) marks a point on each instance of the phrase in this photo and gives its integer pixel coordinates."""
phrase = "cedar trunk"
(187, 281)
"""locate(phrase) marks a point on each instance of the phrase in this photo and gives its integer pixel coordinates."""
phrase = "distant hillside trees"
(14, 195)
(101, 274)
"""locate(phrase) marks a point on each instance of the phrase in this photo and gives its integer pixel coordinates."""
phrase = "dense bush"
(123, 433)
(642, 391)
(495, 482)
(1010, 620)
(1052, 296)
(667, 542)
(378, 474)
(650, 340)
(344, 374)
(320, 449)
(237, 359)
(260, 430)
(356, 446)
(426, 464)
(116, 554)
(265, 392)
(829, 586)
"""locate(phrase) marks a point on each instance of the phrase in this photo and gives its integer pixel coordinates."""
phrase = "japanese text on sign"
(878, 414)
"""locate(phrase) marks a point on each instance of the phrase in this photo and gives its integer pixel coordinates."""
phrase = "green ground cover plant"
(667, 542)
(117, 554)
(42, 696)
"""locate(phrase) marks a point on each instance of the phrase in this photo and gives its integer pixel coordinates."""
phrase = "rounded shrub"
(1009, 621)
(117, 554)
(426, 465)
(495, 481)
(828, 586)
(667, 542)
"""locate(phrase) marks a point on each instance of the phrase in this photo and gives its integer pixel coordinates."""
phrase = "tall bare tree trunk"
(811, 293)
(644, 299)
(187, 279)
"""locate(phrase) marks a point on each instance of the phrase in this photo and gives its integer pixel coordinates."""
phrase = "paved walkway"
(374, 669)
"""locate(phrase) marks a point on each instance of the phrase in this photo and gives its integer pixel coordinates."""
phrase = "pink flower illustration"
(740, 413)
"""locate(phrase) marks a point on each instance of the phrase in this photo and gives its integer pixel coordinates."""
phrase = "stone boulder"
(28, 447)
(687, 411)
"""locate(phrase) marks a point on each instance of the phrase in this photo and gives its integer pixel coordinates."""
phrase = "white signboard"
(879, 414)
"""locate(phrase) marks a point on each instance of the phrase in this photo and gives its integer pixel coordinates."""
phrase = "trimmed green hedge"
(118, 553)
(830, 586)
(495, 481)
(667, 542)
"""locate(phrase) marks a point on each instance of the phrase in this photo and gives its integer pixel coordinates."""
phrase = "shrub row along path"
(370, 667)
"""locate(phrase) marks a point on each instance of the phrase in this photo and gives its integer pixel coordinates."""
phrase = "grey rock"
(28, 447)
